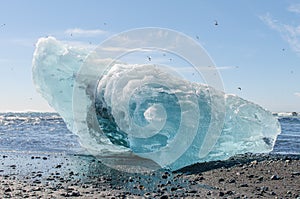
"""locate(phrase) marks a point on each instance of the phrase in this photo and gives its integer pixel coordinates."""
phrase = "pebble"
(272, 193)
(37, 182)
(164, 197)
(275, 177)
(295, 173)
(36, 189)
(232, 180)
(8, 190)
(229, 192)
(264, 188)
(260, 178)
(221, 180)
(244, 185)
(164, 176)
(58, 166)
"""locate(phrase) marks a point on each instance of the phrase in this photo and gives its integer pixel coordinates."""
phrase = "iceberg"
(148, 111)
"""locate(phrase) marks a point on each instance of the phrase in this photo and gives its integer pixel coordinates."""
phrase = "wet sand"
(33, 175)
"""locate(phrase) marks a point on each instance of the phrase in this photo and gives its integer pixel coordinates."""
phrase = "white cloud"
(267, 19)
(206, 68)
(85, 33)
(289, 33)
(80, 44)
(297, 94)
(226, 67)
(294, 8)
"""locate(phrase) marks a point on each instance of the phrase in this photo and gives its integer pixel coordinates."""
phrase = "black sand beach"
(60, 175)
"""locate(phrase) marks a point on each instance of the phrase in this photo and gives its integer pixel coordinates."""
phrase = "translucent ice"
(148, 111)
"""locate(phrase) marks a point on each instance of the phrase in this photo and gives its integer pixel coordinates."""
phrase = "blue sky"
(259, 40)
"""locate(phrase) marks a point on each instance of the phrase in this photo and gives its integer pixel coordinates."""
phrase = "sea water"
(35, 132)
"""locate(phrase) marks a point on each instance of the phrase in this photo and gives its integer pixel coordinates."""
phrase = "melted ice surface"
(152, 113)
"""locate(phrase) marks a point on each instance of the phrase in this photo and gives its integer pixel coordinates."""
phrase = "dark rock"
(221, 193)
(264, 188)
(141, 187)
(231, 180)
(295, 173)
(272, 193)
(50, 179)
(250, 176)
(64, 194)
(260, 178)
(221, 180)
(164, 176)
(37, 189)
(200, 178)
(45, 158)
(58, 166)
(229, 192)
(37, 182)
(164, 197)
(75, 193)
(275, 177)
(244, 185)
(7, 190)
(70, 189)
(173, 189)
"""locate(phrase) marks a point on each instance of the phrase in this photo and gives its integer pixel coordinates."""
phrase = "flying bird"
(240, 88)
(149, 58)
(197, 37)
(216, 23)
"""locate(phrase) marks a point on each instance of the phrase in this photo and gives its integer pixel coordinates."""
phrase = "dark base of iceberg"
(142, 116)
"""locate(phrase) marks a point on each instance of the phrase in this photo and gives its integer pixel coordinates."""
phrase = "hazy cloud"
(85, 33)
(297, 94)
(289, 33)
(294, 8)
